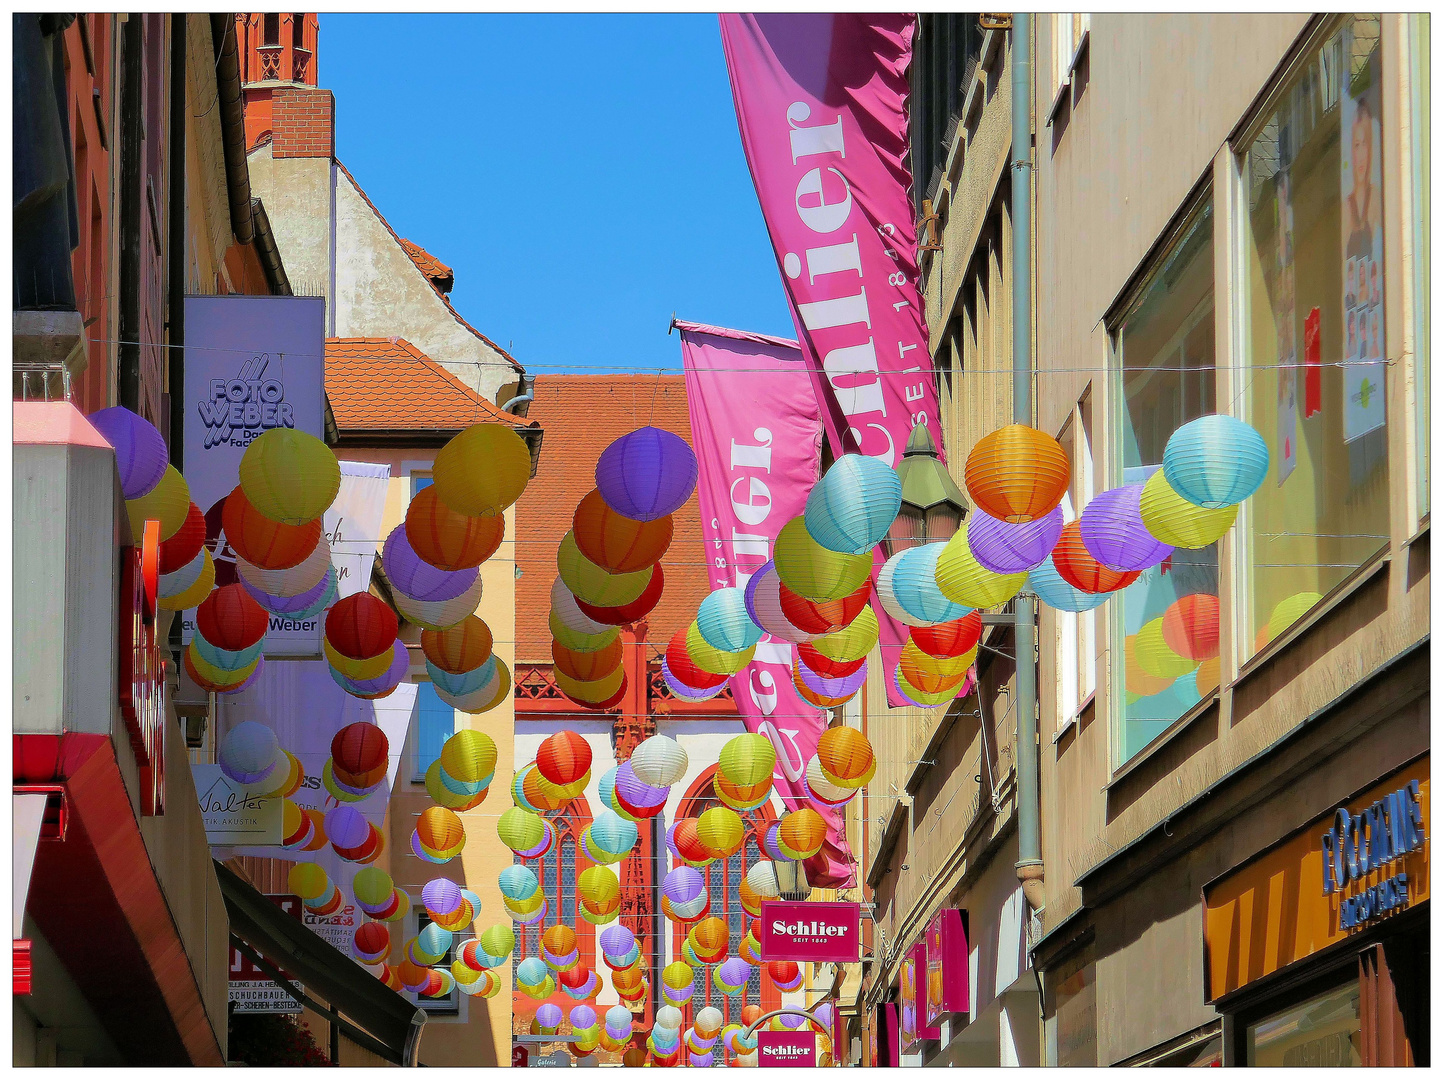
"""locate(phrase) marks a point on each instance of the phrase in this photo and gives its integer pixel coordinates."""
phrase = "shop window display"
(1316, 290)
(1324, 1031)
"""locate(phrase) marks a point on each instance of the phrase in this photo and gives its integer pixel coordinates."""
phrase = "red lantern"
(627, 613)
(684, 669)
(268, 544)
(230, 619)
(182, 548)
(822, 616)
(372, 937)
(783, 971)
(948, 639)
(360, 626)
(613, 701)
(1080, 570)
(688, 843)
(587, 666)
(1190, 626)
(448, 540)
(358, 753)
(564, 758)
(825, 666)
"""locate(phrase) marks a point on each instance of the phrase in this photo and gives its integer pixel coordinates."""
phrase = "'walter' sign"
(235, 813)
(779, 1049)
(819, 932)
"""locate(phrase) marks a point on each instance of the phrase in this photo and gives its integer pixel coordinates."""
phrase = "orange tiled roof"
(387, 384)
(581, 415)
(439, 273)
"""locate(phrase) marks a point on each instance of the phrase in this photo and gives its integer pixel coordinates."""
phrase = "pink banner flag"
(757, 436)
(821, 101)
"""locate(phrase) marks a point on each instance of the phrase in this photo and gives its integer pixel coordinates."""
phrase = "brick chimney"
(278, 72)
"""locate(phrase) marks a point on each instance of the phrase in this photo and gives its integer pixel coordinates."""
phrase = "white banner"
(353, 523)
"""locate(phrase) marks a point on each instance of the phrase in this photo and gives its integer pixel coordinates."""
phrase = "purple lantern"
(735, 971)
(582, 1017)
(683, 885)
(387, 680)
(418, 579)
(1005, 548)
(646, 474)
(774, 851)
(617, 940)
(288, 605)
(346, 827)
(140, 452)
(684, 692)
(699, 1061)
(824, 1015)
(1113, 532)
(822, 686)
(635, 791)
(549, 1015)
(441, 896)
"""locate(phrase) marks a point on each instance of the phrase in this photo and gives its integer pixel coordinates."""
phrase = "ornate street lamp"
(932, 505)
(792, 880)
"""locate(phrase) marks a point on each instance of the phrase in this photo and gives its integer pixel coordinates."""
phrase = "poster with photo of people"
(1363, 287)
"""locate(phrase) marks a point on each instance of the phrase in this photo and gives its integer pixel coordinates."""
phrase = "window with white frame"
(1076, 633)
(1069, 34)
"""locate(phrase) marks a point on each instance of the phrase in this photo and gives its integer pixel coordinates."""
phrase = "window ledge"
(1167, 735)
(1420, 534)
(1072, 721)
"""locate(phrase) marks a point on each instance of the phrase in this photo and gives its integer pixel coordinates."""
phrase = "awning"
(370, 1013)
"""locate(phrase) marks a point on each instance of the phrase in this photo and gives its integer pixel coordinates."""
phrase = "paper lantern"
(372, 887)
(964, 580)
(371, 942)
(742, 797)
(371, 667)
(212, 678)
(483, 470)
(1076, 565)
(290, 476)
(822, 789)
(439, 614)
(822, 617)
(723, 622)
(1112, 531)
(520, 829)
(950, 638)
(483, 700)
(1058, 593)
(710, 936)
(1215, 461)
(418, 579)
(580, 642)
(1017, 473)
(812, 571)
(323, 592)
(617, 543)
(643, 799)
(845, 754)
(1173, 520)
(851, 508)
(196, 592)
(518, 882)
(248, 752)
(466, 683)
(382, 684)
(293, 580)
(747, 759)
(646, 474)
(1006, 548)
(223, 660)
(346, 827)
(230, 619)
(825, 666)
(622, 614)
(185, 545)
(763, 597)
(564, 757)
(308, 881)
(263, 542)
(448, 540)
(592, 583)
(714, 660)
(361, 626)
(610, 835)
(441, 896)
(802, 833)
(686, 844)
(659, 761)
(140, 452)
(917, 669)
(852, 642)
(586, 666)
(721, 830)
(592, 692)
(440, 829)
(598, 886)
(168, 503)
(834, 691)
(560, 940)
(183, 578)
(1190, 626)
(679, 661)
(469, 756)
(938, 665)
(914, 584)
(360, 751)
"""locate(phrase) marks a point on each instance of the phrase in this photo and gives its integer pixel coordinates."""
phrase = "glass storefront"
(1324, 1031)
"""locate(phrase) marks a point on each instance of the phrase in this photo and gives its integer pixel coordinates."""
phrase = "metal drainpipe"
(1029, 848)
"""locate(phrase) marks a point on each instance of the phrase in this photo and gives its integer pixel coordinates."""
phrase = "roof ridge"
(443, 297)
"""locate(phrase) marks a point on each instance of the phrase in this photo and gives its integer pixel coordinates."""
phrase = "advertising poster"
(235, 813)
(1363, 284)
(251, 989)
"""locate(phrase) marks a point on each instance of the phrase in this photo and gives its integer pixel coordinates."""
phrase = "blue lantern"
(851, 508)
(723, 621)
(1215, 461)
(518, 882)
(467, 682)
(223, 658)
(1055, 591)
(914, 585)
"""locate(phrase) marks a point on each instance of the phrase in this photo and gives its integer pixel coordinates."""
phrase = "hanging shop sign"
(914, 1025)
(948, 984)
(251, 989)
(1363, 862)
(787, 1049)
(236, 813)
(811, 931)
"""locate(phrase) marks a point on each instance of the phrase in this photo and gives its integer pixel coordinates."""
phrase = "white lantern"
(659, 761)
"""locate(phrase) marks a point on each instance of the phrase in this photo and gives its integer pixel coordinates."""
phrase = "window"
(1420, 84)
(1069, 34)
(451, 1003)
(1315, 295)
(947, 50)
(272, 32)
(1325, 1031)
(723, 883)
(1165, 375)
(298, 31)
(1071, 1029)
(1076, 633)
(419, 480)
(435, 723)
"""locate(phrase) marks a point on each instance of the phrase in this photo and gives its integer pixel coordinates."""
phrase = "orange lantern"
(460, 648)
(845, 753)
(618, 543)
(559, 940)
(262, 542)
(440, 829)
(926, 679)
(448, 540)
(626, 979)
(1017, 473)
(948, 639)
(360, 626)
(1080, 570)
(822, 616)
(564, 758)
(230, 619)
(710, 935)
(541, 792)
(1190, 626)
(803, 832)
(587, 666)
(688, 843)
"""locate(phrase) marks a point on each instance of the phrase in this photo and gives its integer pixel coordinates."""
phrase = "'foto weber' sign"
(819, 932)
(779, 1049)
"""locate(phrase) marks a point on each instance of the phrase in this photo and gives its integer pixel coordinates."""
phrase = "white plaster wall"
(297, 197)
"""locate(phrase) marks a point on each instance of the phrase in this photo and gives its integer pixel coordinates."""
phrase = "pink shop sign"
(947, 988)
(795, 1049)
(818, 932)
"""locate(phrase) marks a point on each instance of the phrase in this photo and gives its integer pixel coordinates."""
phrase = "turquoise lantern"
(1056, 592)
(851, 508)
(723, 621)
(468, 682)
(1215, 461)
(914, 585)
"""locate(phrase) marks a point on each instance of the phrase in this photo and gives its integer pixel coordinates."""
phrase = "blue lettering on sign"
(1358, 844)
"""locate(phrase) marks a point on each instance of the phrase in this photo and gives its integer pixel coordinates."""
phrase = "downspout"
(1029, 847)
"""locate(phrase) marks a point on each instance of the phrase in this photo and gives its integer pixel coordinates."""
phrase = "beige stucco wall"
(297, 193)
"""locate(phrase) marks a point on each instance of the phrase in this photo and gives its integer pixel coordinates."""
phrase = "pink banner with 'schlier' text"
(757, 435)
(821, 102)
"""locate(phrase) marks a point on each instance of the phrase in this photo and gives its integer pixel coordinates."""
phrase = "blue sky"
(582, 174)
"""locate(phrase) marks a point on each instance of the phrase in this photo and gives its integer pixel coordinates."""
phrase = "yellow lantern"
(721, 830)
(595, 585)
(590, 693)
(713, 660)
(921, 697)
(483, 470)
(938, 665)
(599, 887)
(1174, 520)
(168, 503)
(290, 476)
(851, 642)
(577, 641)
(965, 581)
(192, 596)
(747, 760)
(372, 667)
(814, 572)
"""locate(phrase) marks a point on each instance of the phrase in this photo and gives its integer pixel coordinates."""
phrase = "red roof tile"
(581, 415)
(441, 275)
(387, 384)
